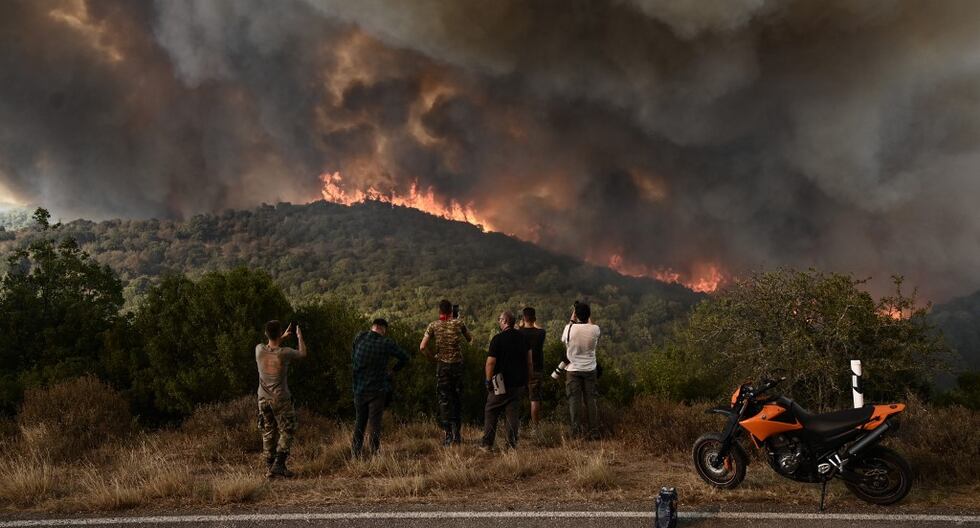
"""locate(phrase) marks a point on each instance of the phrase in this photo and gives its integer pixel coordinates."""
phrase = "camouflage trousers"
(277, 422)
(449, 384)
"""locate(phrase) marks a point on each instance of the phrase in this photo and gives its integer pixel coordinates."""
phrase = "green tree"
(56, 308)
(966, 392)
(199, 337)
(810, 324)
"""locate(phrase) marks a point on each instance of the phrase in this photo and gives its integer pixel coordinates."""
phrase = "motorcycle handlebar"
(769, 383)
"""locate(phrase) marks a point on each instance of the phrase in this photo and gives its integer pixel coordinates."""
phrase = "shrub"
(225, 430)
(937, 440)
(661, 425)
(68, 419)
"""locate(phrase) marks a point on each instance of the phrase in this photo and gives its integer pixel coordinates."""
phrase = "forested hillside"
(392, 261)
(959, 321)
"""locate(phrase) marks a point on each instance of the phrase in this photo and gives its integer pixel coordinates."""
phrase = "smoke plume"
(663, 136)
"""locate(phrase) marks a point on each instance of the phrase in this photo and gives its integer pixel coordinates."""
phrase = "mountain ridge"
(386, 260)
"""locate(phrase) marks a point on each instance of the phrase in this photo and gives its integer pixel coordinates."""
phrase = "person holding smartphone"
(581, 338)
(277, 416)
(448, 333)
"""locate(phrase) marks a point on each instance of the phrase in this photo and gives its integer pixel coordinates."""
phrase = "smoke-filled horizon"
(666, 135)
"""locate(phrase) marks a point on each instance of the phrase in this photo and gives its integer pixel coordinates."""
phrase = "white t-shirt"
(580, 341)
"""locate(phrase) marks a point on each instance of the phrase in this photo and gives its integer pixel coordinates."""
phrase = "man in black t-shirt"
(509, 356)
(535, 338)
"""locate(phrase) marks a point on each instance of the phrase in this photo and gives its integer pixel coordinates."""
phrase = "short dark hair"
(445, 307)
(582, 312)
(529, 314)
(273, 329)
(379, 322)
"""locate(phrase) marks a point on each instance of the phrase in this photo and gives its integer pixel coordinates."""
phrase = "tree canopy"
(809, 325)
(57, 306)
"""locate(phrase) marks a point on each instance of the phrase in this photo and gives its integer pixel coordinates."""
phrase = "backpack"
(665, 512)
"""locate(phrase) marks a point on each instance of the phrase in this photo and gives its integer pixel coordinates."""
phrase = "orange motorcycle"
(806, 447)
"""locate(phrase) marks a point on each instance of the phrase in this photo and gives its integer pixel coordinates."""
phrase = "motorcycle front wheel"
(885, 477)
(730, 474)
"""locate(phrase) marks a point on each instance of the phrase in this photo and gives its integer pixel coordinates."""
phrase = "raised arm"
(466, 333)
(302, 344)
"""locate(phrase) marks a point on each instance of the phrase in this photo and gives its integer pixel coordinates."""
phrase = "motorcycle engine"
(787, 453)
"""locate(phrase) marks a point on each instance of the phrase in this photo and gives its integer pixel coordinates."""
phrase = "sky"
(686, 139)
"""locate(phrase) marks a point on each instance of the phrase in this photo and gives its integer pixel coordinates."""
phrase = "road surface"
(619, 518)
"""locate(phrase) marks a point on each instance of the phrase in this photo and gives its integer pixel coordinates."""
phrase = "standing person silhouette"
(581, 337)
(448, 333)
(277, 417)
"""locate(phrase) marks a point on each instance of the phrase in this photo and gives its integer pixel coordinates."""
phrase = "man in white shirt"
(580, 337)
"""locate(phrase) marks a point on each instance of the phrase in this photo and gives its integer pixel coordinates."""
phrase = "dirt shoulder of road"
(413, 471)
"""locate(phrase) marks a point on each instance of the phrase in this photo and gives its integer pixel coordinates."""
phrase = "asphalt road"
(621, 518)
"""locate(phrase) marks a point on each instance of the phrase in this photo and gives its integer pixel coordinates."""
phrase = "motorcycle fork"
(728, 438)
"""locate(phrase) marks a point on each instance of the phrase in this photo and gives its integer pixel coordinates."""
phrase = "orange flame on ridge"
(417, 199)
(707, 278)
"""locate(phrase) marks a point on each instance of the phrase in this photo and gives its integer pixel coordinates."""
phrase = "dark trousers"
(509, 403)
(449, 385)
(581, 386)
(370, 407)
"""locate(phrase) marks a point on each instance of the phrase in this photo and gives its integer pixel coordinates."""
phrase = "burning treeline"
(685, 140)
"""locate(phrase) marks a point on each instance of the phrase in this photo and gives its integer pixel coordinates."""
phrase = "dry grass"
(213, 461)
(96, 414)
(28, 481)
(663, 426)
(941, 441)
(593, 473)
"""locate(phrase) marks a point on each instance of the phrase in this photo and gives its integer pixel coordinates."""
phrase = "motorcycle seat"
(833, 423)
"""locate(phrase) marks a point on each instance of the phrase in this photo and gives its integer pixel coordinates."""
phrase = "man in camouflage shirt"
(277, 417)
(448, 333)
(370, 356)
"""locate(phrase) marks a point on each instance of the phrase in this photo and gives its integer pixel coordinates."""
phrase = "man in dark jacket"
(371, 353)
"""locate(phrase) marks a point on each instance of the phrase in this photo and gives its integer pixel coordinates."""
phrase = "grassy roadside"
(212, 461)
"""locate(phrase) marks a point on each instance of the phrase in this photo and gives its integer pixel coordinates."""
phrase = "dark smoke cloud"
(739, 133)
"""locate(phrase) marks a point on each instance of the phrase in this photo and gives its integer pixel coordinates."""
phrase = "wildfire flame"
(417, 199)
(706, 278)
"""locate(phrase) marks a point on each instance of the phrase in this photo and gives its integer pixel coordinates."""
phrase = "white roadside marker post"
(856, 390)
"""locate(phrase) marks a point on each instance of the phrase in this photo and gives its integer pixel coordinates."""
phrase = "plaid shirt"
(370, 359)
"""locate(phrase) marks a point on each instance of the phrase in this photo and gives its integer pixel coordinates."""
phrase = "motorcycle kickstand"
(823, 494)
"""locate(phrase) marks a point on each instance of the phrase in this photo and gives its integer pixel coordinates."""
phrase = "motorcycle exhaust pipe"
(863, 443)
(837, 462)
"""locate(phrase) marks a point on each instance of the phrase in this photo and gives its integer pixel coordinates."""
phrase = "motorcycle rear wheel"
(730, 474)
(888, 477)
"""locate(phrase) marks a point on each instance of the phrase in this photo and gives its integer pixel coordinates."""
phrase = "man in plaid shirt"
(370, 356)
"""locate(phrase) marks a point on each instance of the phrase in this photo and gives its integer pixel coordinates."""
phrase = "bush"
(199, 337)
(662, 426)
(225, 430)
(937, 441)
(966, 392)
(68, 419)
(810, 324)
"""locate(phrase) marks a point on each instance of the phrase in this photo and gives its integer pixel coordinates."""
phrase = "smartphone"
(455, 311)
